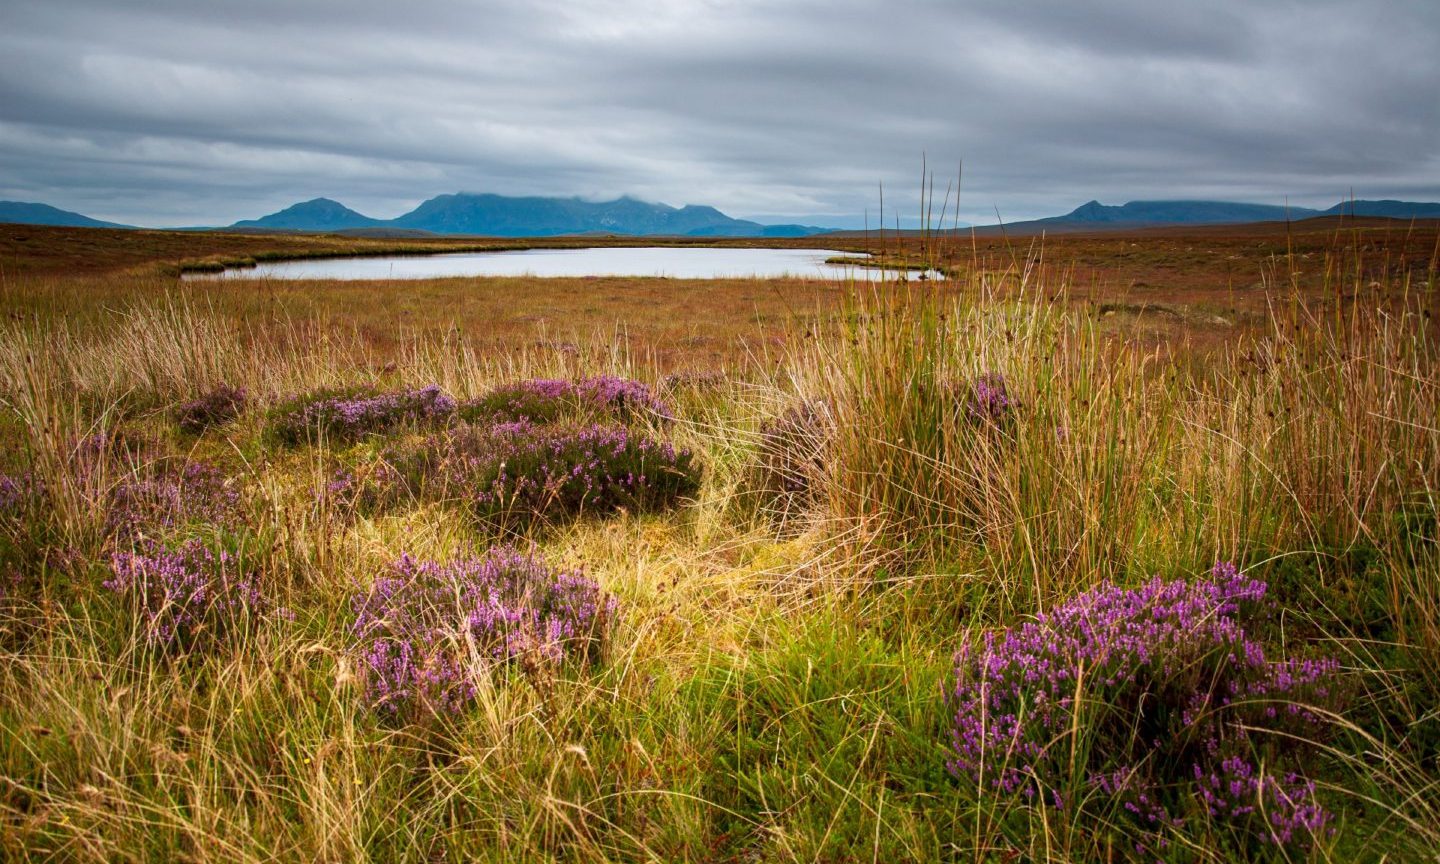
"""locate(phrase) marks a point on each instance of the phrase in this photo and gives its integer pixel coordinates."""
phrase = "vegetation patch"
(519, 473)
(548, 400)
(216, 407)
(351, 413)
(189, 597)
(1159, 703)
(427, 635)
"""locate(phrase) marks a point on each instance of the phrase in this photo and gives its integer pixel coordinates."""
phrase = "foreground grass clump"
(828, 745)
(429, 634)
(1158, 702)
(348, 414)
(518, 473)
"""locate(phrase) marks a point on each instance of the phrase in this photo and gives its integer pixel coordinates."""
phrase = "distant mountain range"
(22, 213)
(500, 216)
(1228, 212)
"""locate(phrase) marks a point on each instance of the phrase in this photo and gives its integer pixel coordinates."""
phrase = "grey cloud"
(176, 112)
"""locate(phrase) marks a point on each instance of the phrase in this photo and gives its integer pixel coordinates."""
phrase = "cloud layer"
(173, 112)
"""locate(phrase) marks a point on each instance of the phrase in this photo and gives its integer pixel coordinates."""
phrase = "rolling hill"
(317, 214)
(24, 213)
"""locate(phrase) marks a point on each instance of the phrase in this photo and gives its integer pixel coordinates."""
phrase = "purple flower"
(187, 596)
(163, 495)
(989, 400)
(17, 494)
(549, 400)
(515, 473)
(350, 414)
(425, 632)
(1167, 678)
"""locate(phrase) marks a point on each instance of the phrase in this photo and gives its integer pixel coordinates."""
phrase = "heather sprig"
(624, 398)
(1165, 682)
(18, 492)
(348, 414)
(187, 597)
(136, 488)
(215, 408)
(426, 632)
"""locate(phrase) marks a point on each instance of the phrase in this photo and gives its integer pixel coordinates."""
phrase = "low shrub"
(216, 408)
(542, 400)
(623, 398)
(18, 493)
(426, 632)
(136, 490)
(164, 495)
(549, 400)
(189, 597)
(519, 473)
(1155, 700)
(986, 399)
(790, 462)
(349, 414)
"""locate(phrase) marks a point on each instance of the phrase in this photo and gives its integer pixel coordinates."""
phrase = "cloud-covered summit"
(175, 112)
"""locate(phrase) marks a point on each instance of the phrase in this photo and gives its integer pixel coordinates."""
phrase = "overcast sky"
(186, 112)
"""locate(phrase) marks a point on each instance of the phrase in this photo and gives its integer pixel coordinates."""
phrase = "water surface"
(670, 261)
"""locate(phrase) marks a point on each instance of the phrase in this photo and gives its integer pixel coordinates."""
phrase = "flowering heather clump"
(540, 400)
(517, 472)
(1167, 684)
(139, 490)
(350, 414)
(987, 399)
(622, 397)
(547, 400)
(216, 408)
(113, 446)
(427, 631)
(163, 496)
(186, 596)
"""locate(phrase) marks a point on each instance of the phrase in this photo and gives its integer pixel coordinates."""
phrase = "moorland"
(1109, 546)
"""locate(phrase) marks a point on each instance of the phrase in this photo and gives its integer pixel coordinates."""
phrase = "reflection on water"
(677, 263)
